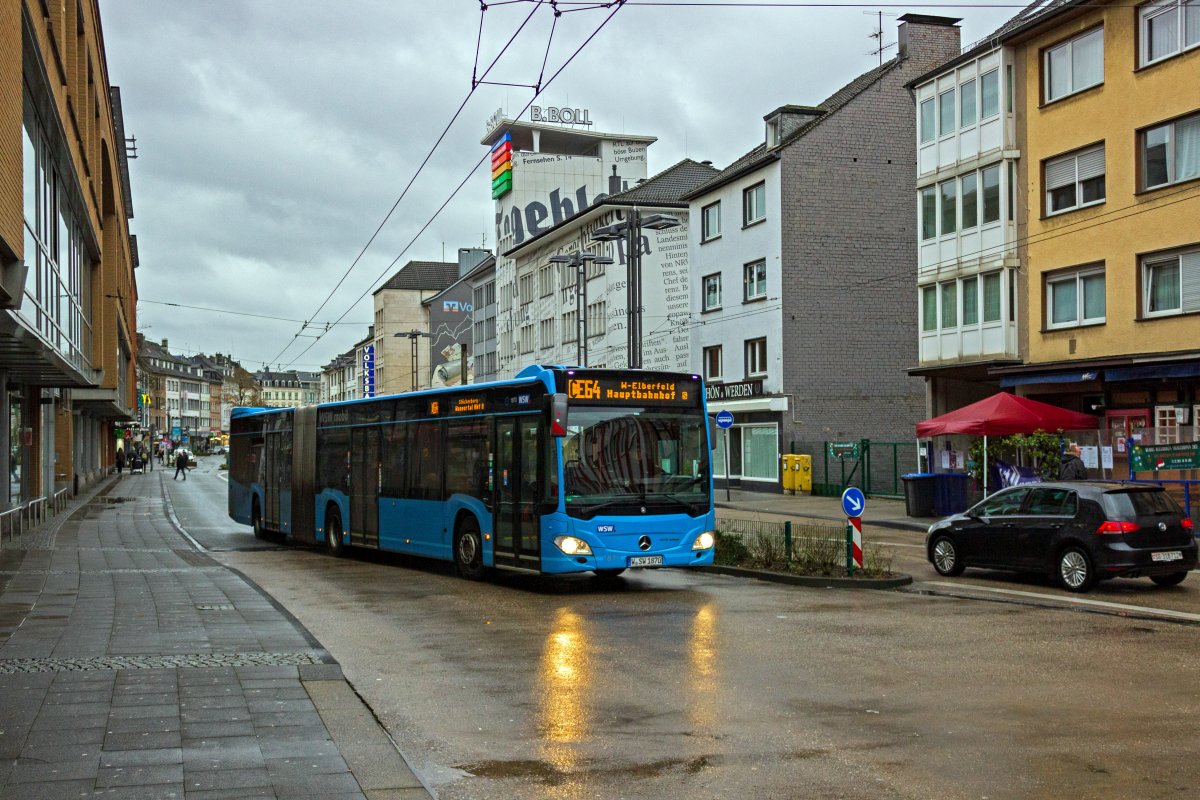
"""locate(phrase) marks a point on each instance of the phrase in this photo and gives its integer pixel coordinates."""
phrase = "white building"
(543, 174)
(552, 315)
(968, 273)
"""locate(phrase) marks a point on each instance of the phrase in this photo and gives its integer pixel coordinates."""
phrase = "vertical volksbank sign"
(368, 371)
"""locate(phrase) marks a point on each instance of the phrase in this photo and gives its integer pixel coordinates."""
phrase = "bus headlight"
(704, 541)
(572, 546)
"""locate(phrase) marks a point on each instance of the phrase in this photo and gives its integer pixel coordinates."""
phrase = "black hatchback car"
(1078, 532)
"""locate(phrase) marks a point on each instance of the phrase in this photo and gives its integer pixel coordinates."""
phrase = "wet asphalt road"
(678, 685)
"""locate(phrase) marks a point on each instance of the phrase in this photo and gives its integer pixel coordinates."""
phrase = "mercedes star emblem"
(1162, 526)
(644, 543)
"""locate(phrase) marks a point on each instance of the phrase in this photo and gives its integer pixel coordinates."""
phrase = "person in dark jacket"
(1073, 468)
(181, 463)
(120, 459)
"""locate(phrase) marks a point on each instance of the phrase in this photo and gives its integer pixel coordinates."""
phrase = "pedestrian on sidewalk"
(181, 462)
(1073, 468)
(120, 459)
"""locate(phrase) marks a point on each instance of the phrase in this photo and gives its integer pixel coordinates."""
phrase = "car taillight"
(1187, 524)
(1117, 527)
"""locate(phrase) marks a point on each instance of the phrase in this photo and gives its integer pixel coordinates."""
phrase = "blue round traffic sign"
(725, 419)
(853, 502)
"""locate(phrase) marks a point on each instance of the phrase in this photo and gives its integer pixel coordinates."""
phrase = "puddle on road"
(551, 775)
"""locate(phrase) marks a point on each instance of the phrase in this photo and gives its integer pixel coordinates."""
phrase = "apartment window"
(710, 221)
(966, 103)
(970, 301)
(1171, 152)
(1075, 180)
(1074, 65)
(756, 357)
(526, 338)
(1171, 284)
(927, 127)
(712, 363)
(991, 193)
(929, 212)
(949, 203)
(773, 131)
(949, 304)
(570, 327)
(754, 280)
(970, 201)
(989, 94)
(712, 291)
(754, 204)
(929, 308)
(1076, 298)
(1168, 27)
(946, 113)
(597, 314)
(545, 280)
(547, 333)
(525, 284)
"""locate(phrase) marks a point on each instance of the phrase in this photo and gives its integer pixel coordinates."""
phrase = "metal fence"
(876, 469)
(30, 515)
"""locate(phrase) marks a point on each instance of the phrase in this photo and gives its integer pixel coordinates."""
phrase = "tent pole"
(985, 466)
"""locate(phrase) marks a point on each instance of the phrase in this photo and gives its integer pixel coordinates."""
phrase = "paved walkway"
(133, 666)
(880, 512)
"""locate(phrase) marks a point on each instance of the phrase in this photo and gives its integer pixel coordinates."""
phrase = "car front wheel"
(945, 557)
(1075, 571)
(1174, 579)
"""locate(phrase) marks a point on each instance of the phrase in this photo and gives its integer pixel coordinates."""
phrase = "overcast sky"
(274, 136)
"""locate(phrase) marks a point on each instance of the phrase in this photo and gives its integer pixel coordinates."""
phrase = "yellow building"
(67, 288)
(1108, 217)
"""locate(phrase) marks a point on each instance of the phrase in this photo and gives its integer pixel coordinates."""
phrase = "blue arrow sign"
(853, 502)
(725, 419)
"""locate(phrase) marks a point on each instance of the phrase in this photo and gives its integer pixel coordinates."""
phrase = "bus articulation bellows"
(559, 470)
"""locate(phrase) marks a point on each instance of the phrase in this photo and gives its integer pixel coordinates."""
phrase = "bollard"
(787, 541)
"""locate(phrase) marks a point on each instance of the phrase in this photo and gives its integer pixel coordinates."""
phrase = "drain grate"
(194, 660)
(215, 607)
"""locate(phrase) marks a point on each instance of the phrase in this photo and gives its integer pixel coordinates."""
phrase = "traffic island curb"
(812, 581)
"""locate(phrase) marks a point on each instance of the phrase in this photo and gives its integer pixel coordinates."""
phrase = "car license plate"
(1167, 555)
(647, 561)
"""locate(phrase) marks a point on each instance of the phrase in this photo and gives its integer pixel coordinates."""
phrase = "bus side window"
(426, 464)
(395, 459)
(466, 458)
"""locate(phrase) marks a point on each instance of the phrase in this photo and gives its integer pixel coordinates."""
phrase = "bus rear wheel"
(468, 550)
(256, 521)
(333, 534)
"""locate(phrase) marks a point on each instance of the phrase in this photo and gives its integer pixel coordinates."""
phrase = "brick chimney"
(164, 344)
(929, 40)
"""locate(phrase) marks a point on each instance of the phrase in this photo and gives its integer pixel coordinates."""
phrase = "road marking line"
(1164, 612)
(902, 544)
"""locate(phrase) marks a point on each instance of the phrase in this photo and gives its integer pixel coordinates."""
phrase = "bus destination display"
(626, 391)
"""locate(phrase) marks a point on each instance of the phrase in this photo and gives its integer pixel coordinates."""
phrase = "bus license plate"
(645, 561)
(1169, 555)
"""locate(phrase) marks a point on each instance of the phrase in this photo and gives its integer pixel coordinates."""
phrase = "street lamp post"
(413, 335)
(580, 261)
(630, 229)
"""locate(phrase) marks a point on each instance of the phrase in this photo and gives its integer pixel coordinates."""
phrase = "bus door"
(364, 486)
(517, 542)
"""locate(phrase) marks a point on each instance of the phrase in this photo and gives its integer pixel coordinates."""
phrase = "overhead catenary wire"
(417, 173)
(616, 7)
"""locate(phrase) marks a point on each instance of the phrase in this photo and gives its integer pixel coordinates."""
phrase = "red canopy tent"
(1005, 413)
(1002, 414)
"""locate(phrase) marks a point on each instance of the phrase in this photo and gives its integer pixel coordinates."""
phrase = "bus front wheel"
(333, 534)
(468, 550)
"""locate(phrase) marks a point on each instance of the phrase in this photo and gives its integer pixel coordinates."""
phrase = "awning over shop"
(1050, 377)
(1189, 369)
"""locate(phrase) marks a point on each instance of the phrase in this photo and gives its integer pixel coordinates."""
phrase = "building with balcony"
(67, 288)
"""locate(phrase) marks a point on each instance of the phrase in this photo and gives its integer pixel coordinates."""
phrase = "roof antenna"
(877, 35)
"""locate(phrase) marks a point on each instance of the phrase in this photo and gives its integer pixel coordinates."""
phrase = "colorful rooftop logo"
(502, 166)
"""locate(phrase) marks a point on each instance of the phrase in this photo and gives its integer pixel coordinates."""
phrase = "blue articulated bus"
(559, 470)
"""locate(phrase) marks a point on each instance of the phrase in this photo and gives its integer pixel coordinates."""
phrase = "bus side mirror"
(558, 415)
(712, 433)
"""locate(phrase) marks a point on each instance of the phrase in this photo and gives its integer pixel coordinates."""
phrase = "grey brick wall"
(849, 261)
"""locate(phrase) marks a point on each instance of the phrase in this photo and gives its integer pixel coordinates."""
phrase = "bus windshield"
(622, 459)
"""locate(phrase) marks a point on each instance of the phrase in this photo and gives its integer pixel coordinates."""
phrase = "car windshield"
(615, 458)
(1130, 504)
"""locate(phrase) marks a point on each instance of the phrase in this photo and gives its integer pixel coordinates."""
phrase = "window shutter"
(1091, 163)
(1190, 278)
(1060, 172)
